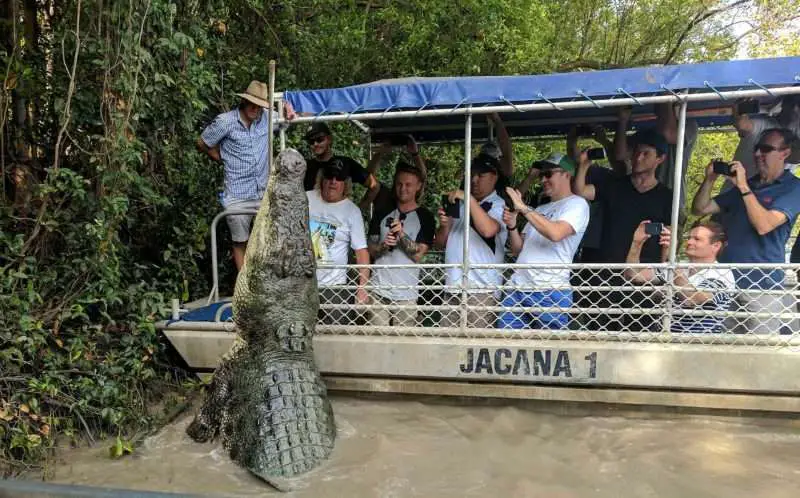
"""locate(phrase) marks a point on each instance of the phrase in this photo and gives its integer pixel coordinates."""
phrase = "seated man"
(758, 215)
(336, 226)
(487, 238)
(552, 235)
(710, 289)
(401, 236)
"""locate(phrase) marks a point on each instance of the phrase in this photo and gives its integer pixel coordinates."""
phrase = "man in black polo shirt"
(627, 201)
(320, 141)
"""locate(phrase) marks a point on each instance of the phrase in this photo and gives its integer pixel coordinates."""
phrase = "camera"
(389, 222)
(596, 153)
(451, 209)
(506, 198)
(722, 168)
(653, 228)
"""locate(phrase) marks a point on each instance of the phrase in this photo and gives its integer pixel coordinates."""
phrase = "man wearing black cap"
(336, 227)
(320, 141)
(487, 240)
(627, 201)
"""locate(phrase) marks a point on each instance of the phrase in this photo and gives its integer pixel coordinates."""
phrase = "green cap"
(557, 160)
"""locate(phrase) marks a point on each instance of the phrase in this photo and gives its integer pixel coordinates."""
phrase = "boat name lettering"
(528, 362)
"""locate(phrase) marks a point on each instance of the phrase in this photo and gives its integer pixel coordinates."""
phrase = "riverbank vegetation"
(106, 205)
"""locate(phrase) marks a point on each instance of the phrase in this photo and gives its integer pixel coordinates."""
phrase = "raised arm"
(763, 220)
(703, 204)
(639, 275)
(579, 185)
(504, 141)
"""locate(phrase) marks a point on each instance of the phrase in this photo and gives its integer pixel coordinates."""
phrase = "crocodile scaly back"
(267, 399)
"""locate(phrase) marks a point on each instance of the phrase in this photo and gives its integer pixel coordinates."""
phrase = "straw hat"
(257, 93)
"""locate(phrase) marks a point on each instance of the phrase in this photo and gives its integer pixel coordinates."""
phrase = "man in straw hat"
(238, 139)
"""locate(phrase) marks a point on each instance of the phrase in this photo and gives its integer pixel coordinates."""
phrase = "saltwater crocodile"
(267, 400)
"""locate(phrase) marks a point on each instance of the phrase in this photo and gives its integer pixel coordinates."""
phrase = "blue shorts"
(543, 320)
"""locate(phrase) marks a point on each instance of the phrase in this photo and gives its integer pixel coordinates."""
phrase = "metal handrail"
(214, 295)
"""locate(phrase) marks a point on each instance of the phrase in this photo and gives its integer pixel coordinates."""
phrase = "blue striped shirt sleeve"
(216, 131)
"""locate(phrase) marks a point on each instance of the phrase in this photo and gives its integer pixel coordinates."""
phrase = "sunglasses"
(316, 140)
(765, 148)
(337, 176)
(550, 172)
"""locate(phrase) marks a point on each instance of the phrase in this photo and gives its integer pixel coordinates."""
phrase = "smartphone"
(748, 107)
(451, 209)
(653, 228)
(722, 168)
(596, 153)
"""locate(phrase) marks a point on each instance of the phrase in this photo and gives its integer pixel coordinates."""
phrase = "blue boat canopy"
(479, 91)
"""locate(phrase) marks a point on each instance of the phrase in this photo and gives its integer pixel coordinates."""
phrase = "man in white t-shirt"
(487, 239)
(336, 227)
(552, 236)
(707, 288)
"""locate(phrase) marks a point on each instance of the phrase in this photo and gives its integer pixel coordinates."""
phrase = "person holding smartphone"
(626, 201)
(705, 288)
(400, 236)
(487, 240)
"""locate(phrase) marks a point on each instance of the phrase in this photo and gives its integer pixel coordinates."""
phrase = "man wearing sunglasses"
(757, 214)
(320, 141)
(238, 139)
(336, 227)
(552, 235)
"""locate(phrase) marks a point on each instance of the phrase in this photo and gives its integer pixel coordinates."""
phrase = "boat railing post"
(282, 130)
(677, 187)
(466, 222)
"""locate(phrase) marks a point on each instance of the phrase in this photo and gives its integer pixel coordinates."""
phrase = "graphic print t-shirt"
(420, 225)
(336, 227)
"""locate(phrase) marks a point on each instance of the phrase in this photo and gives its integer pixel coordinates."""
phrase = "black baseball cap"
(651, 137)
(318, 128)
(485, 163)
(336, 168)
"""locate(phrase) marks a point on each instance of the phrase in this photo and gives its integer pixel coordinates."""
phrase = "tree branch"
(699, 19)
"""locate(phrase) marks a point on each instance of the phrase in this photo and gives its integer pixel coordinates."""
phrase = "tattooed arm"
(412, 249)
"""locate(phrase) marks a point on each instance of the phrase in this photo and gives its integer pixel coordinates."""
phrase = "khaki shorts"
(239, 224)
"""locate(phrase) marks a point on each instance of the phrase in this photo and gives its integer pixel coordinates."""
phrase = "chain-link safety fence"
(706, 304)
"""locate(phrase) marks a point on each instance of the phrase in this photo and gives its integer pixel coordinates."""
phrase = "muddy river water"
(422, 447)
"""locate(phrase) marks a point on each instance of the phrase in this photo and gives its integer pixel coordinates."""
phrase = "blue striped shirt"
(244, 153)
(717, 281)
